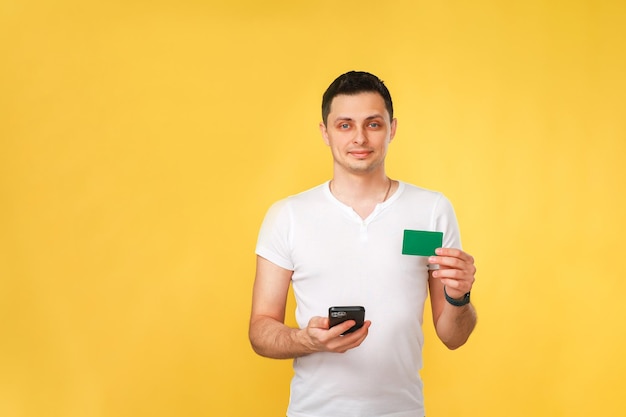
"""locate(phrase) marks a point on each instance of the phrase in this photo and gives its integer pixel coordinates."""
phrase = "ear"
(324, 133)
(394, 126)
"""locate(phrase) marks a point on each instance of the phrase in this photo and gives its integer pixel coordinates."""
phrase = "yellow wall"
(142, 141)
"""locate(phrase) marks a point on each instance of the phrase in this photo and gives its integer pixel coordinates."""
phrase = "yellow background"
(141, 143)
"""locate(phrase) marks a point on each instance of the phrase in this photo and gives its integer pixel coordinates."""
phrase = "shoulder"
(415, 192)
(312, 194)
(426, 199)
(304, 200)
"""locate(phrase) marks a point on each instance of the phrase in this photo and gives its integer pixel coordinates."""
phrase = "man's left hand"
(456, 271)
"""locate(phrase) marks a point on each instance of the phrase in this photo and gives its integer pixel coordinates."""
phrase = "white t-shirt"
(340, 259)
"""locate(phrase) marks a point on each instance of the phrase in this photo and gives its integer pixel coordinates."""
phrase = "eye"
(374, 125)
(344, 126)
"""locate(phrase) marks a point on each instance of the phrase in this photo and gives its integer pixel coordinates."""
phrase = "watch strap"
(457, 303)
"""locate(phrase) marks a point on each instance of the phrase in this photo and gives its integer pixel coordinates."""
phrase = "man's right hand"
(318, 337)
(271, 338)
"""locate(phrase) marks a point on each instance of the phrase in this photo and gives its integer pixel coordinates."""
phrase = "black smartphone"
(338, 315)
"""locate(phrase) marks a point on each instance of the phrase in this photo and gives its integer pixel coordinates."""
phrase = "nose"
(360, 136)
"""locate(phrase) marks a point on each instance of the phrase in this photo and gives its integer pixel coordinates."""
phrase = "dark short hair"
(355, 82)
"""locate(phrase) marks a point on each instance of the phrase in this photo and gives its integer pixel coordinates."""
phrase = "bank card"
(421, 242)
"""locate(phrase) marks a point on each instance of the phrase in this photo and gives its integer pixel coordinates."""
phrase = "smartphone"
(338, 315)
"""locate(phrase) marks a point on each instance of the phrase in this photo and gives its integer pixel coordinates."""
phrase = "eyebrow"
(349, 119)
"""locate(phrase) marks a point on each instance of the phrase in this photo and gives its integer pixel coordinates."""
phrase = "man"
(340, 243)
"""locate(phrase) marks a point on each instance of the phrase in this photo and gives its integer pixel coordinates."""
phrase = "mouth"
(360, 154)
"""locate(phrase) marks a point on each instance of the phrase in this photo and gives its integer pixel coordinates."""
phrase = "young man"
(340, 244)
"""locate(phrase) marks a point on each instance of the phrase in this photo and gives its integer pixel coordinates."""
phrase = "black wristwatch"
(457, 303)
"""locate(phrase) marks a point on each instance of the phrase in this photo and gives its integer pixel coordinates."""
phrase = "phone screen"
(339, 314)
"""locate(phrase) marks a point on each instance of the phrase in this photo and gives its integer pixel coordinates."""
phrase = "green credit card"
(421, 242)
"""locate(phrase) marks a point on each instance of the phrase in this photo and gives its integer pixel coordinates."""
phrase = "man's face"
(358, 131)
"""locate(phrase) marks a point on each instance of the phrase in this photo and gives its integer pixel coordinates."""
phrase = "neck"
(356, 189)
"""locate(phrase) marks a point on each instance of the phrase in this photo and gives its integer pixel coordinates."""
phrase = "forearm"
(273, 339)
(454, 321)
(455, 324)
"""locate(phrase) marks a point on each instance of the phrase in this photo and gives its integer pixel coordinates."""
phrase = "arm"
(456, 272)
(271, 338)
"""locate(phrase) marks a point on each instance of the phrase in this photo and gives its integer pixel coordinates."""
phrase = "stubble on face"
(358, 132)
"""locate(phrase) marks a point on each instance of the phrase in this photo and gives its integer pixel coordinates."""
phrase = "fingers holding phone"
(338, 332)
(338, 315)
(351, 326)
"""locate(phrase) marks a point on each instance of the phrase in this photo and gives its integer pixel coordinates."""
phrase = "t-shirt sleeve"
(445, 221)
(274, 238)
